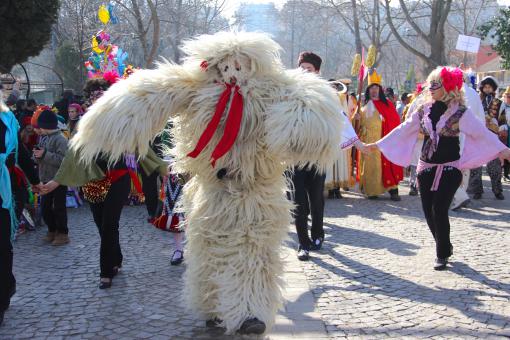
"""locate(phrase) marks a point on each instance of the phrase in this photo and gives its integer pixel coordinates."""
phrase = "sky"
(232, 5)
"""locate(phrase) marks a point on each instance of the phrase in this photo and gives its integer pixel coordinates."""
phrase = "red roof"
(484, 55)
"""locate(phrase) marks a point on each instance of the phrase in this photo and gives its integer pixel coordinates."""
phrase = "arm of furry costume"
(130, 114)
(304, 125)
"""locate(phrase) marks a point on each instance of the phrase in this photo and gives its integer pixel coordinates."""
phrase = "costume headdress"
(374, 78)
(452, 78)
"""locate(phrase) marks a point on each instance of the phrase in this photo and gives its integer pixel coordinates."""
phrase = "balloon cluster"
(106, 59)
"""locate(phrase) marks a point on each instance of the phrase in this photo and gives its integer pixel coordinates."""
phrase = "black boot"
(440, 264)
(252, 326)
(413, 191)
(213, 323)
(394, 195)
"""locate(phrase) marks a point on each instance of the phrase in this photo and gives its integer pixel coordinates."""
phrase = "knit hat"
(311, 58)
(36, 114)
(489, 81)
(47, 120)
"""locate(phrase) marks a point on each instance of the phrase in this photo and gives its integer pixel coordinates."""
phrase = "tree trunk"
(357, 35)
(149, 60)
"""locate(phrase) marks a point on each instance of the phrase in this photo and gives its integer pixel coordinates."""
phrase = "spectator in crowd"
(390, 95)
(405, 99)
(49, 154)
(63, 104)
(75, 112)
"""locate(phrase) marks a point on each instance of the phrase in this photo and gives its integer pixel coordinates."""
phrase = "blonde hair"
(454, 96)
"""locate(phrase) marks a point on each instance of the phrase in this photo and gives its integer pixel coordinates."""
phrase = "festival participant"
(442, 118)
(171, 218)
(10, 148)
(236, 209)
(308, 185)
(495, 122)
(378, 118)
(308, 182)
(106, 187)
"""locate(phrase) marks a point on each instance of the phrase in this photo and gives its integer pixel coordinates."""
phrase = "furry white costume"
(237, 212)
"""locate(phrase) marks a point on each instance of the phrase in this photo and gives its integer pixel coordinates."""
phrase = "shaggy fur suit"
(235, 225)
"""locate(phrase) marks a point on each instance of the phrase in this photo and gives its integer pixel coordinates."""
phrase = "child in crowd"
(49, 154)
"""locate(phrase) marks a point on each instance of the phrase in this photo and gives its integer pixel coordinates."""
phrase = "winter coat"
(55, 148)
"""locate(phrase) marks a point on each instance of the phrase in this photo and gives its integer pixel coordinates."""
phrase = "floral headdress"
(452, 78)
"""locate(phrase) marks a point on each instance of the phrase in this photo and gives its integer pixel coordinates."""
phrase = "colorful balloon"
(113, 17)
(103, 14)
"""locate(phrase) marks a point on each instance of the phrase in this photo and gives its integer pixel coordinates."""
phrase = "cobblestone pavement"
(373, 279)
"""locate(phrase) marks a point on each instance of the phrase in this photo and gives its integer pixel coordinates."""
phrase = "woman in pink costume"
(442, 118)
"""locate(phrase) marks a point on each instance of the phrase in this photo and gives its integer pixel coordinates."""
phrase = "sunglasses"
(435, 85)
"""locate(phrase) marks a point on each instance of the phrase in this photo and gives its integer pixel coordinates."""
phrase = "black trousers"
(436, 205)
(506, 168)
(106, 216)
(54, 211)
(309, 199)
(150, 191)
(7, 280)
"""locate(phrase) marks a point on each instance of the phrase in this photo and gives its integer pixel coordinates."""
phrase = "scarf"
(232, 124)
(11, 145)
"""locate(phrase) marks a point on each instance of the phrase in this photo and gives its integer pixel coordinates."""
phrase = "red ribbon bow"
(232, 124)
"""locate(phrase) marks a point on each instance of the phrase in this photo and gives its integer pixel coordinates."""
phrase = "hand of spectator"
(37, 188)
(49, 187)
(38, 153)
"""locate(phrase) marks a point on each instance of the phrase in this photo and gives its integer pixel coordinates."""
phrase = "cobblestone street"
(373, 279)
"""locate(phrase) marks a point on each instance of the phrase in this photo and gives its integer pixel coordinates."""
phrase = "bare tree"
(76, 24)
(436, 13)
(142, 15)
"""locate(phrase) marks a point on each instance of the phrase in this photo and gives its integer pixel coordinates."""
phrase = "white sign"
(468, 43)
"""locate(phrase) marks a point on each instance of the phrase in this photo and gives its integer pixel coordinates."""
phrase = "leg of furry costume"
(233, 250)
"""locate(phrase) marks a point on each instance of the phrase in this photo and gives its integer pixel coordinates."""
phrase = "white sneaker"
(460, 204)
(303, 255)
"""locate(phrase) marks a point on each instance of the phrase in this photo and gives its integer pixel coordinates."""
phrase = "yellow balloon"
(103, 14)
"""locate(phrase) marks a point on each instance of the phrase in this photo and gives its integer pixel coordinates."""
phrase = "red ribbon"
(232, 125)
